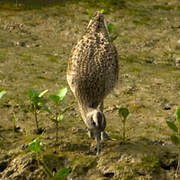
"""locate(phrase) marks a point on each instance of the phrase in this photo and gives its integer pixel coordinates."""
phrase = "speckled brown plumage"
(93, 66)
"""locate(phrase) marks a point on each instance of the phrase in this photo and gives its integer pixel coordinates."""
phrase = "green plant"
(2, 93)
(37, 104)
(58, 116)
(112, 33)
(123, 113)
(36, 147)
(13, 119)
(175, 138)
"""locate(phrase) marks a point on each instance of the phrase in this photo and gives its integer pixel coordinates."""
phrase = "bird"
(92, 74)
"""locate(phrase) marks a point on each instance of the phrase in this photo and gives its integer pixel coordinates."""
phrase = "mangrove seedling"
(123, 113)
(13, 119)
(36, 147)
(58, 115)
(2, 93)
(37, 104)
(175, 138)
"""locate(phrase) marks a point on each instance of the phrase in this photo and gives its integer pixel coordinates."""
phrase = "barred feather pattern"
(93, 65)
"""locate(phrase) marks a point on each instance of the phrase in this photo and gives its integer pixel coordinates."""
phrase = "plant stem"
(124, 130)
(14, 125)
(57, 128)
(178, 166)
(35, 116)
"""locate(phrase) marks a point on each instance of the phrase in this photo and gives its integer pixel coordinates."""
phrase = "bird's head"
(95, 121)
(98, 24)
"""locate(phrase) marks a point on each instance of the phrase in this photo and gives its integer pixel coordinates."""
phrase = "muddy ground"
(35, 43)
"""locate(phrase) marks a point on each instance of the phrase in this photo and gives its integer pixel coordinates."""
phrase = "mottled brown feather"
(93, 65)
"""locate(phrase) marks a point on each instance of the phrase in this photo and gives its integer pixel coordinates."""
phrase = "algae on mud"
(34, 49)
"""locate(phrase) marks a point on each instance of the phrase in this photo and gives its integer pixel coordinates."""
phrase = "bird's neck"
(85, 110)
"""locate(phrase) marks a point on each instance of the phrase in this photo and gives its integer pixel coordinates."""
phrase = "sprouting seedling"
(90, 14)
(123, 113)
(58, 116)
(110, 27)
(37, 104)
(57, 120)
(13, 119)
(175, 138)
(2, 93)
(112, 33)
(36, 147)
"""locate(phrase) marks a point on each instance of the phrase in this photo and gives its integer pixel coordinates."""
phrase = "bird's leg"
(98, 143)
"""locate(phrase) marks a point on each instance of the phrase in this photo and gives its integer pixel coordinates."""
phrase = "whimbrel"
(92, 73)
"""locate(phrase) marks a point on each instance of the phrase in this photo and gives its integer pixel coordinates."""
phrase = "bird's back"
(93, 66)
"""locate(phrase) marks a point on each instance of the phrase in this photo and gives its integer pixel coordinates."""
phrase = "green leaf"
(32, 93)
(33, 96)
(90, 14)
(61, 93)
(62, 174)
(176, 140)
(102, 11)
(42, 93)
(60, 117)
(178, 114)
(37, 100)
(124, 112)
(35, 145)
(44, 107)
(172, 126)
(13, 117)
(2, 93)
(54, 98)
(110, 27)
